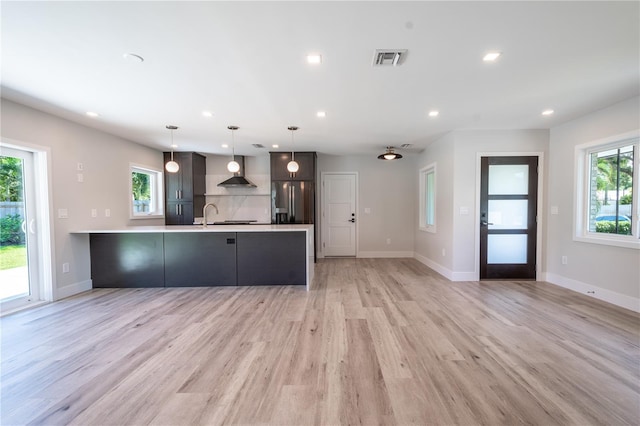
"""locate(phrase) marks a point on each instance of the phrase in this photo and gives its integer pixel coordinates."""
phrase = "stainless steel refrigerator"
(292, 202)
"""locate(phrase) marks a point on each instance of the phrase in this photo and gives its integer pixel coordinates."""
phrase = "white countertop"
(198, 228)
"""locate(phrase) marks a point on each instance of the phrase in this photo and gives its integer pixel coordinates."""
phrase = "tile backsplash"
(239, 203)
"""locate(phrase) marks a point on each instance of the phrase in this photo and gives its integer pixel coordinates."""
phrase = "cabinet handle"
(180, 209)
(177, 197)
(177, 209)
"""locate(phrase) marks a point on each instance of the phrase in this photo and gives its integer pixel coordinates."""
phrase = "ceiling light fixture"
(132, 57)
(314, 59)
(275, 146)
(292, 167)
(207, 113)
(233, 165)
(491, 56)
(92, 114)
(434, 113)
(321, 114)
(172, 166)
(224, 145)
(389, 155)
(547, 112)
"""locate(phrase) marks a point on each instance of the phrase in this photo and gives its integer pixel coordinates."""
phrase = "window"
(146, 192)
(428, 198)
(608, 184)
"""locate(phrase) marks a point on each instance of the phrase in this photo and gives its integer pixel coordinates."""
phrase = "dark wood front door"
(508, 222)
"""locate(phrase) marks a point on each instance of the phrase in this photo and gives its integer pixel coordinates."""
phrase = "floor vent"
(389, 57)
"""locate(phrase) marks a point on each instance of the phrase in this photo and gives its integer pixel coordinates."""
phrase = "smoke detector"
(388, 57)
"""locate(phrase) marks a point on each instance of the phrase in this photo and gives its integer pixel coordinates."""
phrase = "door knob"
(484, 223)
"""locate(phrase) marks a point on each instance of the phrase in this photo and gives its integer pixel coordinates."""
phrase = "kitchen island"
(195, 256)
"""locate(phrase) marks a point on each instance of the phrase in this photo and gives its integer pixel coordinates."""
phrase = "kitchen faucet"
(204, 213)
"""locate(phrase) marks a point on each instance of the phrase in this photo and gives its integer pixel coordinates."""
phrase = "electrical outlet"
(80, 177)
(444, 252)
(80, 167)
(565, 260)
(65, 268)
(107, 212)
(388, 240)
(94, 212)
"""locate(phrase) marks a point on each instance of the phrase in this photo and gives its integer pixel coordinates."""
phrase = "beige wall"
(612, 272)
(456, 155)
(389, 190)
(105, 159)
(430, 246)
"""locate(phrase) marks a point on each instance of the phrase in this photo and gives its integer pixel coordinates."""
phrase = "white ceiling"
(245, 62)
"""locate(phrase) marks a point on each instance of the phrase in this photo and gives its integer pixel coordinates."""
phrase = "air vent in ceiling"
(406, 145)
(388, 57)
(257, 145)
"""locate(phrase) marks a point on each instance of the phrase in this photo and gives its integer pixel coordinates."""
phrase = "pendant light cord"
(171, 144)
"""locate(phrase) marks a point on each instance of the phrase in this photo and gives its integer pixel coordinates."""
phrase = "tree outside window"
(611, 190)
(146, 193)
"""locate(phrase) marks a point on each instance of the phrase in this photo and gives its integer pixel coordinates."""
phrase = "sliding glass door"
(19, 281)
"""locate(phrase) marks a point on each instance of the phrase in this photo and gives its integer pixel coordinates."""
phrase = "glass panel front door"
(508, 203)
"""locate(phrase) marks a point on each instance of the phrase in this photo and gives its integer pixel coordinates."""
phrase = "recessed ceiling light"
(132, 57)
(434, 113)
(321, 114)
(207, 113)
(275, 145)
(314, 59)
(491, 56)
(547, 112)
(92, 114)
(224, 145)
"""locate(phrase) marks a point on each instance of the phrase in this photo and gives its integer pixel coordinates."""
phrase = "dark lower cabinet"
(127, 260)
(272, 258)
(198, 259)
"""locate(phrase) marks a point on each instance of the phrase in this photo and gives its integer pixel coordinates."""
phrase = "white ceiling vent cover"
(388, 57)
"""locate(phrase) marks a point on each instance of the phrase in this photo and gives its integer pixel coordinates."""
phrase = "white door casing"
(339, 195)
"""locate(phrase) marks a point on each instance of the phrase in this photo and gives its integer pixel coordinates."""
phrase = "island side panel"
(195, 259)
(272, 258)
(127, 260)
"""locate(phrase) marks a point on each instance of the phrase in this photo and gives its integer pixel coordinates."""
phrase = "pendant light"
(172, 166)
(389, 155)
(233, 165)
(292, 167)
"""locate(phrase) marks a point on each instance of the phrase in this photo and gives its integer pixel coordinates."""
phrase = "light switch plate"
(63, 213)
(554, 209)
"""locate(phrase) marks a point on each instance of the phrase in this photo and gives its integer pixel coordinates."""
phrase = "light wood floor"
(379, 341)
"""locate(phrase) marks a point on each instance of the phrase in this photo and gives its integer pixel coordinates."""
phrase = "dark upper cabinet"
(184, 190)
(306, 171)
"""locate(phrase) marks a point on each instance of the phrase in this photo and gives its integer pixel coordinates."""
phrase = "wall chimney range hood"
(238, 180)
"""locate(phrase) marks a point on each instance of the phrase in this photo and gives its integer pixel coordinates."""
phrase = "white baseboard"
(387, 254)
(622, 300)
(433, 265)
(73, 289)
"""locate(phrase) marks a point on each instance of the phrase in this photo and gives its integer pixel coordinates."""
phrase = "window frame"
(430, 169)
(157, 191)
(582, 191)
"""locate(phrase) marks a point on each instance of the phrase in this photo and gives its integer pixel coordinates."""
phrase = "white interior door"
(339, 214)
